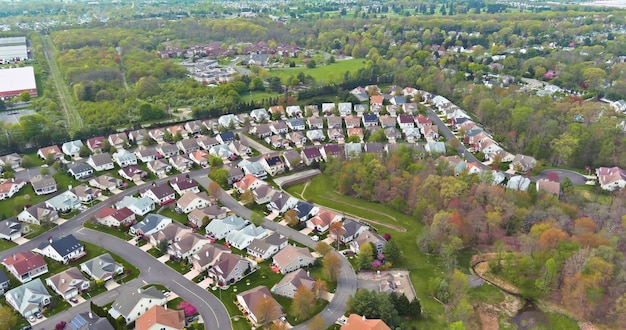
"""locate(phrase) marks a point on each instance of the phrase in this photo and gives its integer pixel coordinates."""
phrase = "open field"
(322, 73)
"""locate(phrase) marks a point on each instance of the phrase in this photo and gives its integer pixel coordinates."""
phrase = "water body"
(529, 316)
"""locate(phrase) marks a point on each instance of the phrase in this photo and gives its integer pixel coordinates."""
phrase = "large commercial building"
(13, 49)
(17, 80)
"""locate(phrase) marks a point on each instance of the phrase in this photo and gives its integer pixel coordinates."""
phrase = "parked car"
(283, 318)
(315, 238)
(39, 315)
(74, 300)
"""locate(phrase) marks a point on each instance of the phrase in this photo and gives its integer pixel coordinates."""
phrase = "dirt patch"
(482, 270)
(488, 317)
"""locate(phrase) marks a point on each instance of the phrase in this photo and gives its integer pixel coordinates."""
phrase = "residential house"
(13, 160)
(65, 202)
(25, 265)
(206, 142)
(188, 146)
(334, 121)
(160, 167)
(167, 150)
(322, 220)
(161, 194)
(505, 156)
(315, 123)
(225, 137)
(291, 282)
(177, 130)
(366, 237)
(29, 298)
(297, 138)
(124, 158)
(106, 182)
(411, 133)
(95, 143)
(376, 99)
(360, 109)
(549, 186)
(345, 108)
(62, 249)
(240, 239)
(207, 256)
(292, 159)
(409, 108)
(234, 174)
(430, 132)
(331, 150)
(38, 214)
(619, 105)
(488, 146)
(131, 304)
(611, 178)
(328, 108)
(53, 151)
(435, 147)
(315, 135)
(263, 194)
(157, 134)
(357, 322)
(137, 136)
(261, 131)
(248, 182)
(201, 157)
(181, 163)
(4, 282)
(239, 148)
(183, 184)
(352, 121)
(312, 109)
(305, 210)
(353, 150)
(161, 318)
(190, 201)
(185, 245)
(370, 120)
(10, 230)
(387, 121)
(294, 111)
(264, 248)
(68, 283)
(392, 133)
(101, 162)
(350, 230)
(259, 115)
(296, 124)
(115, 218)
(522, 163)
(221, 151)
(11, 187)
(72, 148)
(251, 301)
(211, 125)
(79, 170)
(423, 121)
(193, 127)
(253, 168)
(43, 184)
(277, 141)
(405, 121)
(139, 206)
(310, 155)
(197, 216)
(292, 258)
(374, 148)
(228, 269)
(147, 154)
(219, 228)
(281, 202)
(272, 165)
(393, 109)
(89, 321)
(335, 134)
(133, 173)
(118, 140)
(102, 267)
(518, 182)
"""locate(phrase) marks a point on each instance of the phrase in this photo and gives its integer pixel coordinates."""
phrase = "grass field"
(322, 73)
(422, 266)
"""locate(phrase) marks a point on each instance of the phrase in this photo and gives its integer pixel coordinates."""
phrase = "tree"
(247, 197)
(336, 229)
(291, 217)
(8, 317)
(317, 323)
(353, 139)
(366, 256)
(392, 252)
(266, 310)
(220, 176)
(163, 246)
(44, 171)
(214, 189)
(257, 218)
(319, 287)
(458, 325)
(331, 266)
(84, 151)
(303, 303)
(322, 248)
(215, 161)
(147, 86)
(25, 96)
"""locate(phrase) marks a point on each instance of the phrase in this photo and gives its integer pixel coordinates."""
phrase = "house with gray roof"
(14, 160)
(435, 147)
(351, 229)
(29, 298)
(315, 135)
(291, 282)
(264, 248)
(124, 158)
(281, 202)
(353, 149)
(79, 170)
(38, 214)
(296, 124)
(207, 256)
(4, 282)
(68, 283)
(140, 206)
(147, 154)
(259, 115)
(101, 162)
(150, 225)
(240, 239)
(131, 304)
(102, 267)
(219, 228)
(62, 249)
(253, 168)
(10, 229)
(365, 237)
(518, 182)
(89, 321)
(65, 202)
(229, 268)
(43, 184)
(72, 148)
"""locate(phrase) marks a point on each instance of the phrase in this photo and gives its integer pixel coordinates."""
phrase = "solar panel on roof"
(77, 322)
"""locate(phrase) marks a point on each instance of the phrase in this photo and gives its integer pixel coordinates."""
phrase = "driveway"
(576, 178)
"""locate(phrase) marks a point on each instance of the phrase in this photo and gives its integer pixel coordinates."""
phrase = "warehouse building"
(13, 49)
(17, 80)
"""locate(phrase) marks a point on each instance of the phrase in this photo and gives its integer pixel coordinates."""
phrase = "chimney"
(50, 239)
(63, 281)
(90, 315)
(363, 317)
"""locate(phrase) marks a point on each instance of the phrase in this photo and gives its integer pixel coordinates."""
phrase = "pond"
(529, 316)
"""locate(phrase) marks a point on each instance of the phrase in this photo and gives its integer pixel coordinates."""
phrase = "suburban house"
(13, 160)
(118, 140)
(89, 321)
(405, 121)
(200, 157)
(219, 228)
(38, 214)
(251, 301)
(11, 187)
(139, 206)
(392, 133)
(366, 237)
(265, 248)
(331, 150)
(248, 182)
(335, 133)
(162, 194)
(157, 134)
(611, 178)
(255, 169)
(62, 249)
(182, 184)
(131, 304)
(263, 194)
(228, 269)
(147, 154)
(281, 202)
(322, 220)
(43, 184)
(277, 109)
(518, 182)
(115, 218)
(315, 135)
(351, 229)
(190, 201)
(387, 121)
(234, 174)
(138, 136)
(181, 163)
(279, 127)
(328, 108)
(133, 173)
(10, 229)
(296, 124)
(357, 322)
(239, 148)
(177, 130)
(261, 131)
(273, 165)
(69, 283)
(187, 244)
(305, 210)
(102, 267)
(79, 170)
(315, 123)
(150, 225)
(293, 258)
(106, 182)
(240, 239)
(311, 155)
(101, 162)
(353, 149)
(345, 108)
(72, 148)
(161, 318)
(167, 150)
(95, 143)
(206, 142)
(228, 120)
(277, 141)
(549, 186)
(85, 193)
(292, 159)
(522, 163)
(221, 151)
(334, 122)
(124, 158)
(435, 147)
(356, 131)
(29, 298)
(4, 282)
(297, 138)
(188, 146)
(196, 217)
(259, 115)
(54, 152)
(225, 137)
(25, 265)
(65, 202)
(207, 255)
(370, 120)
(159, 167)
(352, 121)
(294, 111)
(291, 282)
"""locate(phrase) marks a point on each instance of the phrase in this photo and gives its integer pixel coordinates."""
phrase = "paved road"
(347, 283)
(253, 144)
(576, 178)
(445, 130)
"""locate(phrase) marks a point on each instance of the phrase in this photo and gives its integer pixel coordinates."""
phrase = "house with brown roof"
(147, 154)
(167, 150)
(367, 237)
(292, 159)
(549, 186)
(357, 322)
(25, 265)
(315, 123)
(162, 194)
(133, 173)
(43, 184)
(190, 201)
(293, 258)
(251, 301)
(322, 220)
(159, 167)
(248, 182)
(188, 146)
(115, 218)
(14, 160)
(186, 245)
(172, 232)
(291, 282)
(522, 163)
(118, 140)
(101, 162)
(200, 157)
(55, 151)
(161, 318)
(207, 256)
(38, 214)
(611, 178)
(228, 269)
(137, 136)
(387, 121)
(106, 182)
(352, 121)
(263, 194)
(68, 283)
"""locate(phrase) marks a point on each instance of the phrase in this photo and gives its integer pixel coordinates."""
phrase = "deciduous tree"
(317, 323)
(322, 248)
(266, 310)
(331, 266)
(303, 303)
(8, 317)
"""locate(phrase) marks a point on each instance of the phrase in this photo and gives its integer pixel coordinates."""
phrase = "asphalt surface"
(253, 144)
(576, 178)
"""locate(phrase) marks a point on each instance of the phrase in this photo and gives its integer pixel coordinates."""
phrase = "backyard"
(326, 73)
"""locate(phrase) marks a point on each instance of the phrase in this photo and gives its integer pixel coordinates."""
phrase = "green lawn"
(326, 73)
(258, 96)
(422, 266)
(486, 293)
(5, 245)
(13, 206)
(155, 253)
(108, 230)
(179, 266)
